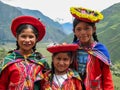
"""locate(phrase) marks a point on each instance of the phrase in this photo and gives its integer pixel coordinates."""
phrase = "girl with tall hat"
(93, 59)
(22, 65)
(61, 76)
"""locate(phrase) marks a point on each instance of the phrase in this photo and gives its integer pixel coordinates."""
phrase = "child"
(61, 77)
(93, 63)
(22, 65)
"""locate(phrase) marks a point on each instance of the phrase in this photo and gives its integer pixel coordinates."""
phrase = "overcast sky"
(59, 9)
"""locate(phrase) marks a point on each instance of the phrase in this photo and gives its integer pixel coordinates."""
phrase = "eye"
(78, 29)
(66, 59)
(23, 36)
(58, 58)
(31, 36)
(87, 28)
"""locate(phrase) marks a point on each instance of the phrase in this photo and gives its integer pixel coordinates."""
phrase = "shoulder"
(73, 73)
(9, 57)
(102, 48)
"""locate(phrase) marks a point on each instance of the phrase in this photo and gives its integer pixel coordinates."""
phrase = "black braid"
(34, 48)
(74, 64)
(38, 55)
(52, 73)
(95, 37)
(17, 48)
(75, 38)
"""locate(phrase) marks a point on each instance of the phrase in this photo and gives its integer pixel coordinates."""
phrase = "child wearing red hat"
(61, 77)
(22, 65)
(93, 60)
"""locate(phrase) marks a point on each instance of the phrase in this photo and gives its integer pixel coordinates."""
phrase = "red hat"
(62, 48)
(28, 20)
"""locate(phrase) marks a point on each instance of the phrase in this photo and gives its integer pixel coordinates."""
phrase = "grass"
(116, 81)
(42, 49)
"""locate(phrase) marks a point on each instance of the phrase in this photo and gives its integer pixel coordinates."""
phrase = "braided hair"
(76, 21)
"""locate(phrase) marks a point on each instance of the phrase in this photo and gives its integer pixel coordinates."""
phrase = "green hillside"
(108, 31)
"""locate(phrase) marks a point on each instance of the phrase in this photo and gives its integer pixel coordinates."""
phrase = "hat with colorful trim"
(28, 20)
(55, 48)
(86, 15)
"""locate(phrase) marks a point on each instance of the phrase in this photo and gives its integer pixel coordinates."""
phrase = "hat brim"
(28, 20)
(63, 48)
(84, 19)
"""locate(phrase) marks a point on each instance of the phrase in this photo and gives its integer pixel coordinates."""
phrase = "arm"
(46, 65)
(107, 77)
(78, 84)
(4, 79)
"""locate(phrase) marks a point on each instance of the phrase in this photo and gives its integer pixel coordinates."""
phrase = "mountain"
(7, 13)
(54, 30)
(67, 28)
(108, 31)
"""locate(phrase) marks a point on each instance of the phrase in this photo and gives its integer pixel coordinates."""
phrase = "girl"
(61, 77)
(22, 65)
(93, 60)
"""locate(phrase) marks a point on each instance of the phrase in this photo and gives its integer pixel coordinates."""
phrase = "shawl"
(15, 57)
(100, 51)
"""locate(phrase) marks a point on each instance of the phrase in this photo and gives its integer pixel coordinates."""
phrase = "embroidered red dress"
(20, 74)
(73, 82)
(97, 67)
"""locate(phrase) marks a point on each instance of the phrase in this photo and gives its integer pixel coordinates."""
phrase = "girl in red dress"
(93, 60)
(22, 65)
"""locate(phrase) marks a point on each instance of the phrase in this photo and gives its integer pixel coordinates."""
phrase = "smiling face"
(84, 32)
(26, 40)
(61, 62)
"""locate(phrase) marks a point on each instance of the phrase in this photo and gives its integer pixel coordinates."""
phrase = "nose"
(61, 62)
(27, 39)
(83, 31)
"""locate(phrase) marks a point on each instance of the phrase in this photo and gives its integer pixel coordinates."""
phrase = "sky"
(58, 10)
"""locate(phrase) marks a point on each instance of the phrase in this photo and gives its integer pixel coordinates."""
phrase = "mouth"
(26, 44)
(84, 37)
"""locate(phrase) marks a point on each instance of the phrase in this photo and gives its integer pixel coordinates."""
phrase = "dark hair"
(76, 21)
(20, 29)
(70, 54)
(25, 26)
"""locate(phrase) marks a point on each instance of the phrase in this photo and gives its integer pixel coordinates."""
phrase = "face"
(61, 62)
(26, 40)
(84, 32)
